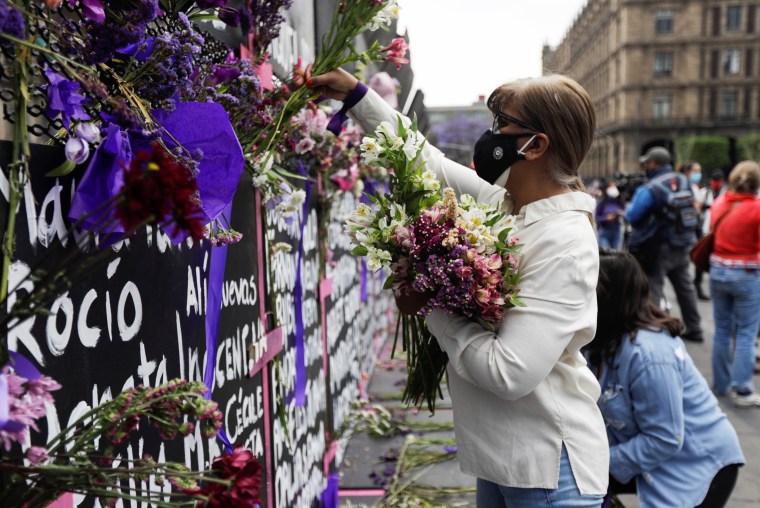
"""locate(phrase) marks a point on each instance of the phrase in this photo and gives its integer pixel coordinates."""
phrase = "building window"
(751, 14)
(747, 101)
(661, 107)
(748, 62)
(714, 63)
(734, 18)
(663, 64)
(729, 103)
(731, 59)
(716, 21)
(663, 21)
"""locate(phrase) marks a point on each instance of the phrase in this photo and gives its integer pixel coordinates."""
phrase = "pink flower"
(305, 145)
(37, 455)
(42, 386)
(464, 272)
(494, 262)
(435, 214)
(493, 313)
(396, 51)
(483, 296)
(345, 179)
(403, 237)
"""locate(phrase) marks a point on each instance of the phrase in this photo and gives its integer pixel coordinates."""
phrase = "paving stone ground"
(364, 454)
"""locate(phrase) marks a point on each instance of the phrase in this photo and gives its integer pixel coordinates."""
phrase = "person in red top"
(735, 284)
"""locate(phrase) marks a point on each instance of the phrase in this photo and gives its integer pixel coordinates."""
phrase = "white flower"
(466, 201)
(281, 247)
(358, 188)
(268, 159)
(291, 203)
(366, 237)
(260, 180)
(412, 144)
(87, 131)
(378, 258)
(429, 181)
(297, 197)
(475, 218)
(371, 150)
(77, 150)
(381, 20)
(363, 216)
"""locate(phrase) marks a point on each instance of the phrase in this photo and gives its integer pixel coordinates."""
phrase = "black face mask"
(495, 152)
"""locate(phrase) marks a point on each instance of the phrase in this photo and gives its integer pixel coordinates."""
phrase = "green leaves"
(359, 250)
(64, 169)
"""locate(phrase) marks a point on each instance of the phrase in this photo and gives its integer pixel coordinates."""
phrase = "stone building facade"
(662, 70)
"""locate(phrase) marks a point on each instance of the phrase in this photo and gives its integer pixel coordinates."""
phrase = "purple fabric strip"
(213, 309)
(330, 494)
(364, 281)
(300, 394)
(339, 118)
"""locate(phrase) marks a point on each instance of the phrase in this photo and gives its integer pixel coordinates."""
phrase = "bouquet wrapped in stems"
(458, 253)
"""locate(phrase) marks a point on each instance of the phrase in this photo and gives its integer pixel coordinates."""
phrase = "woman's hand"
(411, 303)
(335, 84)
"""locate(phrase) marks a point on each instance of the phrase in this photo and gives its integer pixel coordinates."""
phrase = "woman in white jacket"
(524, 401)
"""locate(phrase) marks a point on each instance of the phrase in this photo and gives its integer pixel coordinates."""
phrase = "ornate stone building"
(661, 70)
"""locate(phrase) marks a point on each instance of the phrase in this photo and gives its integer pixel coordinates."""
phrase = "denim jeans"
(676, 265)
(566, 495)
(610, 238)
(735, 296)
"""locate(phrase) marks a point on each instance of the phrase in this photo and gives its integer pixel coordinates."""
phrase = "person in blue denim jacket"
(669, 441)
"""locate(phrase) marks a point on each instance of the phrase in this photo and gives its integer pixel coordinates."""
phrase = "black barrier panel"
(139, 318)
(298, 381)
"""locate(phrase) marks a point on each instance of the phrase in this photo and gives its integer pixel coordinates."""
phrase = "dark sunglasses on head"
(501, 120)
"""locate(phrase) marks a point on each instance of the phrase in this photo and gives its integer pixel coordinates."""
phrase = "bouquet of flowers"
(458, 252)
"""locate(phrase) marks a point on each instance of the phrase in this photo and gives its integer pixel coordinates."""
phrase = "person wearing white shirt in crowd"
(524, 400)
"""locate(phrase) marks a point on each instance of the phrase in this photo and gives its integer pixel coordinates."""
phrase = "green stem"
(18, 167)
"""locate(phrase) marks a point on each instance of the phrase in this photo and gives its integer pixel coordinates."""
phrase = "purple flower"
(77, 150)
(93, 10)
(450, 448)
(11, 22)
(229, 16)
(87, 131)
(225, 74)
(207, 4)
(63, 98)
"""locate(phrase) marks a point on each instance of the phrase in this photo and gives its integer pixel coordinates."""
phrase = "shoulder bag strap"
(715, 226)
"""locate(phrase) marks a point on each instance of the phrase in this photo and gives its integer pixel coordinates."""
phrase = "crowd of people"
(587, 390)
(641, 222)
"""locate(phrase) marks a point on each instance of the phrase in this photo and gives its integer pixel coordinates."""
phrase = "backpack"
(675, 209)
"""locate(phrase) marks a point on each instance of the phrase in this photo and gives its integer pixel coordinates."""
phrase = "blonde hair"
(561, 109)
(745, 177)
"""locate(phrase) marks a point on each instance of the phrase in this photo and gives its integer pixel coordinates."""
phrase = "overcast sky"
(465, 48)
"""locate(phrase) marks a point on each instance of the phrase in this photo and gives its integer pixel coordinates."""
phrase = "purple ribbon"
(213, 309)
(364, 281)
(330, 494)
(336, 122)
(25, 369)
(300, 394)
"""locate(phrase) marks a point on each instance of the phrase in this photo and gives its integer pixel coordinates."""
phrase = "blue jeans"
(610, 238)
(735, 296)
(566, 495)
